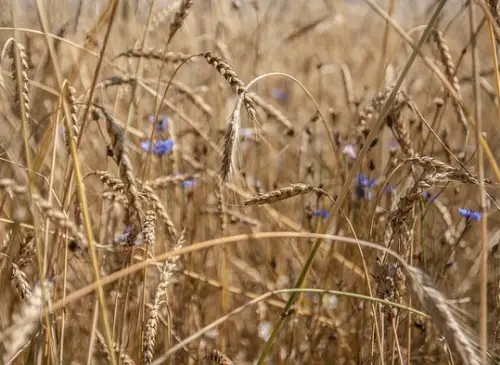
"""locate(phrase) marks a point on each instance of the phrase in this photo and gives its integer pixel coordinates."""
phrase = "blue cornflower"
(321, 213)
(159, 147)
(188, 184)
(363, 185)
(162, 125)
(279, 94)
(470, 214)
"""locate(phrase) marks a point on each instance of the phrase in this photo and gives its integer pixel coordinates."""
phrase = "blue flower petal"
(145, 146)
(470, 214)
(321, 213)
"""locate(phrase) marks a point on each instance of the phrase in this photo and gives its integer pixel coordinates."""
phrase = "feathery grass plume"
(447, 61)
(217, 357)
(197, 100)
(232, 78)
(28, 316)
(229, 143)
(21, 95)
(149, 339)
(149, 232)
(284, 193)
(179, 18)
(273, 112)
(436, 304)
(103, 349)
(70, 98)
(135, 211)
(156, 54)
(453, 173)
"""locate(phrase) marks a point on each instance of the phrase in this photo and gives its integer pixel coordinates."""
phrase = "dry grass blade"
(284, 193)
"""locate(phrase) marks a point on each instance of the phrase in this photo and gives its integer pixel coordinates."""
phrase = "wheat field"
(249, 182)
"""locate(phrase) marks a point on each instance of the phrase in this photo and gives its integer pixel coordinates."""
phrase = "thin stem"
(483, 229)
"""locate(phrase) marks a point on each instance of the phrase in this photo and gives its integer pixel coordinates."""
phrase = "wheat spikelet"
(283, 194)
(232, 78)
(163, 182)
(370, 111)
(217, 357)
(229, 144)
(179, 18)
(446, 59)
(436, 305)
(149, 232)
(28, 316)
(71, 100)
(135, 210)
(59, 218)
(12, 188)
(112, 182)
(401, 133)
(453, 173)
(161, 211)
(151, 330)
(156, 54)
(272, 111)
(26, 251)
(116, 81)
(21, 95)
(20, 282)
(124, 358)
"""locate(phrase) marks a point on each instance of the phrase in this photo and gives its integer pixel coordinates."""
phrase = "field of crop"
(249, 182)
